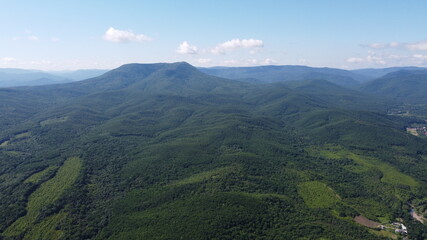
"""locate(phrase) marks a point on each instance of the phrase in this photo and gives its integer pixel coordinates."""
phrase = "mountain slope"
(374, 73)
(407, 86)
(269, 74)
(163, 151)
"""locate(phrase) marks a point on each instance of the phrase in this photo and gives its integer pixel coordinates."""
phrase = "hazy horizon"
(50, 35)
(219, 66)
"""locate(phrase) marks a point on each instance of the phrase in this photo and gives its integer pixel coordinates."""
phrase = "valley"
(166, 151)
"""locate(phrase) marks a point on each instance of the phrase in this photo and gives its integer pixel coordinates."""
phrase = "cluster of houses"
(400, 228)
(397, 226)
(417, 131)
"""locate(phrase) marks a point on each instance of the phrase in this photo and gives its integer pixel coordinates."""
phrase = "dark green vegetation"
(406, 87)
(163, 151)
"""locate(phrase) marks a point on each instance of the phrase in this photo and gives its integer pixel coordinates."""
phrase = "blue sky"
(60, 35)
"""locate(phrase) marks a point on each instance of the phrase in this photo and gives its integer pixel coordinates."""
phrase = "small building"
(404, 229)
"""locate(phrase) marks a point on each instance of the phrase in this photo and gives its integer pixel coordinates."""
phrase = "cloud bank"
(417, 46)
(420, 46)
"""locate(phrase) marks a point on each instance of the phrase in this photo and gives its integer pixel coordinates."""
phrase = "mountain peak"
(153, 78)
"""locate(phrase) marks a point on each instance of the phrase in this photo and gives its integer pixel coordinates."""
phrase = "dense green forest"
(164, 151)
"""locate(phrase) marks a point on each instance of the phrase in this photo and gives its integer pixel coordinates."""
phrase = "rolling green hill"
(405, 87)
(164, 151)
(408, 86)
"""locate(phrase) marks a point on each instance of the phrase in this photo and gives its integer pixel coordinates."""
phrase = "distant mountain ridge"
(13, 77)
(380, 72)
(18, 77)
(269, 74)
(80, 74)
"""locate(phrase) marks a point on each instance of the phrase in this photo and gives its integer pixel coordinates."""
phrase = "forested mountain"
(165, 151)
(380, 72)
(270, 74)
(404, 85)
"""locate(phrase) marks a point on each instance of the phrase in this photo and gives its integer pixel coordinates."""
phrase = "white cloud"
(33, 38)
(54, 39)
(417, 46)
(186, 48)
(237, 43)
(382, 45)
(269, 61)
(419, 56)
(420, 46)
(7, 60)
(123, 36)
(376, 59)
(354, 60)
(204, 60)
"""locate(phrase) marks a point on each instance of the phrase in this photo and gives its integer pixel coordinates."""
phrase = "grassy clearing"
(203, 176)
(22, 135)
(390, 174)
(317, 194)
(412, 131)
(18, 136)
(47, 228)
(4, 144)
(45, 195)
(37, 177)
